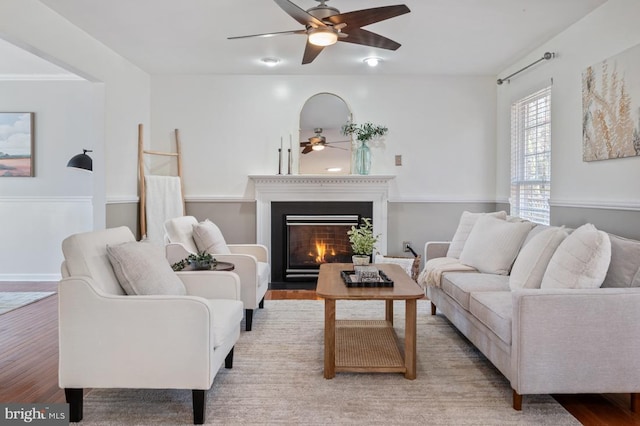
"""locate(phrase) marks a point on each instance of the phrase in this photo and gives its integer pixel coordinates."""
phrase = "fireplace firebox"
(307, 234)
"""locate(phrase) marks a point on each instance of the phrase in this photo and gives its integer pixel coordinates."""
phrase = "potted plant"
(200, 261)
(362, 241)
(364, 133)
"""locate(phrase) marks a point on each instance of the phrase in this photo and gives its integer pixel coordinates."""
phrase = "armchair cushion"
(142, 269)
(209, 238)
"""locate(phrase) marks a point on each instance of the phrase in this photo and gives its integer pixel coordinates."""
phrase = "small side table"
(223, 266)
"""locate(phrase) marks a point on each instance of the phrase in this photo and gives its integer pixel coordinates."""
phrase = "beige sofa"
(551, 340)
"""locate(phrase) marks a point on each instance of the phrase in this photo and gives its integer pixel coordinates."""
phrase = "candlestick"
(289, 163)
(279, 161)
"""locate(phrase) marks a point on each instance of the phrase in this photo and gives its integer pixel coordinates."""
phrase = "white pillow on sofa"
(534, 257)
(467, 220)
(580, 261)
(209, 238)
(142, 269)
(493, 244)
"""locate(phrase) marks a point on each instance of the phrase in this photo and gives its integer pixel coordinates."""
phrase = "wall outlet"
(398, 160)
(405, 246)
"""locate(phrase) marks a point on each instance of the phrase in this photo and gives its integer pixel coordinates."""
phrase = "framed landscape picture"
(16, 144)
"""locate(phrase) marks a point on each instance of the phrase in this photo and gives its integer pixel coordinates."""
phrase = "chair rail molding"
(270, 188)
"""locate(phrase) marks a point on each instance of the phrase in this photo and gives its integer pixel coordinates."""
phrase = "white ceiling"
(479, 37)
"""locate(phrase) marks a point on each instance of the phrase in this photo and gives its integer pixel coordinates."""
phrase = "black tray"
(347, 278)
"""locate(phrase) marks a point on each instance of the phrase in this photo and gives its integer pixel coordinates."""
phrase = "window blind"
(531, 156)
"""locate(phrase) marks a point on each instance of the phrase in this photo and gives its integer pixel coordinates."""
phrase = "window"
(531, 157)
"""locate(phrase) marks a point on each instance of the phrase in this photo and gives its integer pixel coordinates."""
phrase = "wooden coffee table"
(368, 345)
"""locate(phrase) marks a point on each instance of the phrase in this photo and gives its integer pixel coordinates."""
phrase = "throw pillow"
(467, 220)
(580, 261)
(532, 261)
(142, 269)
(493, 244)
(209, 238)
(624, 269)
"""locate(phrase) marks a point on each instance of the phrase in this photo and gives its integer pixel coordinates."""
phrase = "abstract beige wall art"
(611, 107)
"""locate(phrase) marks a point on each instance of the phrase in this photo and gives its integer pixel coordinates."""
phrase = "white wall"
(444, 128)
(111, 108)
(607, 31)
(38, 212)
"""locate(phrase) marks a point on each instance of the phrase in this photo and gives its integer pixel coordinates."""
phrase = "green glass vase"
(363, 159)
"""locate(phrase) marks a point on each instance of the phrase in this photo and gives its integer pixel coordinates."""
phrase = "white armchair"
(251, 261)
(108, 339)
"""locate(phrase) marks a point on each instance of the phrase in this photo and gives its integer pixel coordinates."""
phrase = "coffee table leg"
(388, 315)
(410, 339)
(329, 338)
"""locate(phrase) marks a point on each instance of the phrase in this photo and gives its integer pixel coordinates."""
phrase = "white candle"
(280, 142)
(290, 142)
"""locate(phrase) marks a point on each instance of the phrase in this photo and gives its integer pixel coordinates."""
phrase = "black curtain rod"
(546, 56)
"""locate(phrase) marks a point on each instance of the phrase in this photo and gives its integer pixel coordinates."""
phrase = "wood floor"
(29, 360)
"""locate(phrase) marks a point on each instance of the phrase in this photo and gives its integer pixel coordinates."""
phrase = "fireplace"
(312, 240)
(305, 235)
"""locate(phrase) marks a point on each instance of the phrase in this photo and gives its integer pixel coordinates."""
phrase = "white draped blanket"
(164, 202)
(431, 275)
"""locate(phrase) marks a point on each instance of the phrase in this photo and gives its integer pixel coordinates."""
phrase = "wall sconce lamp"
(81, 161)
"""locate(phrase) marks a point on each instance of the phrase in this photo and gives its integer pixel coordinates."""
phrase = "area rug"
(277, 379)
(10, 300)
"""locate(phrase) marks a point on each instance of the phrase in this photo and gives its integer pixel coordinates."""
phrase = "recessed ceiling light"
(334, 169)
(372, 61)
(270, 62)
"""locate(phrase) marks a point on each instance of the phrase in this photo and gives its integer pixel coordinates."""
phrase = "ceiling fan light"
(317, 147)
(322, 36)
(372, 61)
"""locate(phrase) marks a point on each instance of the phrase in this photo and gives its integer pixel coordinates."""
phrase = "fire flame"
(322, 250)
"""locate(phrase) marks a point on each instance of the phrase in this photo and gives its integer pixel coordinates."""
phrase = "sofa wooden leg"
(261, 304)
(248, 318)
(199, 406)
(433, 308)
(74, 399)
(517, 401)
(635, 402)
(228, 361)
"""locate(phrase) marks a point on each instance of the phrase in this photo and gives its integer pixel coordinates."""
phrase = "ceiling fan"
(325, 25)
(318, 142)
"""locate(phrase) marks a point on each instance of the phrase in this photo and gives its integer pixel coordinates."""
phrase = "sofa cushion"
(142, 269)
(624, 269)
(493, 244)
(580, 261)
(225, 318)
(459, 285)
(494, 309)
(465, 225)
(533, 259)
(209, 238)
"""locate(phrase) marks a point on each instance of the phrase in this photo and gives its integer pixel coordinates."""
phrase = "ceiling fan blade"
(361, 18)
(269, 34)
(299, 14)
(336, 147)
(311, 51)
(367, 38)
(307, 150)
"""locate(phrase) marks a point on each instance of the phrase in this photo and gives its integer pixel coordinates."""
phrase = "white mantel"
(374, 188)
